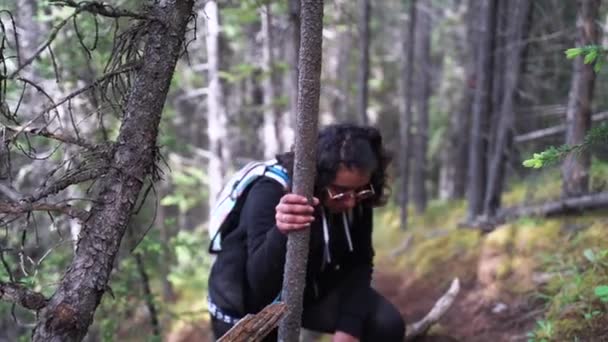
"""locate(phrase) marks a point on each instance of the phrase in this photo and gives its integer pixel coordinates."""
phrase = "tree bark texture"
(309, 86)
(71, 308)
(405, 133)
(575, 168)
(293, 54)
(518, 11)
(482, 107)
(423, 86)
(364, 41)
(216, 110)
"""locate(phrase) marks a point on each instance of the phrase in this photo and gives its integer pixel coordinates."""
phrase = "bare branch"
(105, 77)
(26, 207)
(19, 294)
(43, 132)
(99, 8)
(48, 42)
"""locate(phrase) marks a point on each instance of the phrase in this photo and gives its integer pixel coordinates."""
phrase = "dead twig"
(26, 207)
(438, 310)
(253, 328)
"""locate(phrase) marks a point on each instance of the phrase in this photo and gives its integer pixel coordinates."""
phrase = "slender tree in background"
(482, 107)
(575, 168)
(518, 14)
(70, 311)
(309, 86)
(422, 58)
(364, 42)
(405, 134)
(216, 110)
(271, 126)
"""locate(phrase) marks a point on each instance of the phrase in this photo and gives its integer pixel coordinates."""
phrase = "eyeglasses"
(358, 195)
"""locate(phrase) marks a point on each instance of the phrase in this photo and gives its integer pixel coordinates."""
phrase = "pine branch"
(99, 8)
(26, 207)
(19, 294)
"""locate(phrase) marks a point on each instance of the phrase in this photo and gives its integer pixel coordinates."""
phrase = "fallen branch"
(439, 309)
(253, 328)
(19, 294)
(405, 245)
(545, 132)
(562, 206)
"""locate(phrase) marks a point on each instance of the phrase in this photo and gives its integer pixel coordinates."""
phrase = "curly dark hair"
(353, 146)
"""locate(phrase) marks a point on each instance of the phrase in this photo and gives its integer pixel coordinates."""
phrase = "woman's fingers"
(293, 212)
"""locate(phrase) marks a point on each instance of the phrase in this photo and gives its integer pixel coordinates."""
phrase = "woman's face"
(349, 186)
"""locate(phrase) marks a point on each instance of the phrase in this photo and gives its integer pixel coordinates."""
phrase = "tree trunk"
(421, 136)
(309, 86)
(482, 107)
(293, 55)
(575, 168)
(364, 41)
(70, 311)
(405, 134)
(518, 11)
(272, 141)
(216, 110)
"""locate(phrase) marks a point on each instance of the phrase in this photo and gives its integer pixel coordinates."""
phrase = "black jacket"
(248, 273)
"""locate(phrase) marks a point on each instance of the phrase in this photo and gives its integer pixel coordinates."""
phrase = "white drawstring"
(326, 237)
(347, 231)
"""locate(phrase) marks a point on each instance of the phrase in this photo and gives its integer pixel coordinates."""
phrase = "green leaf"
(590, 57)
(602, 292)
(573, 52)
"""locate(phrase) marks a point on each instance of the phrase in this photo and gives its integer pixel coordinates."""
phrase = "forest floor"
(471, 318)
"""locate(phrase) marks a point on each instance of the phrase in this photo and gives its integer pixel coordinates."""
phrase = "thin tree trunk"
(482, 107)
(309, 86)
(216, 110)
(405, 134)
(575, 168)
(421, 136)
(293, 54)
(272, 141)
(364, 41)
(518, 16)
(70, 310)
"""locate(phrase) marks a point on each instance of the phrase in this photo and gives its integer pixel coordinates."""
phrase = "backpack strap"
(235, 188)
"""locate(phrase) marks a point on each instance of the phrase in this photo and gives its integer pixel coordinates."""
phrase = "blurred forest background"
(463, 91)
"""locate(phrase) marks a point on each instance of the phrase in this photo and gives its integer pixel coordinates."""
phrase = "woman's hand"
(294, 213)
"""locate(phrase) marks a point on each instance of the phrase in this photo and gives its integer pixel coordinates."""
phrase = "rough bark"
(309, 86)
(293, 54)
(575, 168)
(482, 107)
(405, 134)
(216, 110)
(272, 141)
(364, 41)
(70, 310)
(253, 328)
(518, 14)
(423, 87)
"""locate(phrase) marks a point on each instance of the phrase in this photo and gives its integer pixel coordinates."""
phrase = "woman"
(338, 298)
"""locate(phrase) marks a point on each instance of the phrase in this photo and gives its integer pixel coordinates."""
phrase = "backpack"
(237, 186)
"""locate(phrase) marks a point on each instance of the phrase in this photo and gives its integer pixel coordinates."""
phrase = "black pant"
(383, 323)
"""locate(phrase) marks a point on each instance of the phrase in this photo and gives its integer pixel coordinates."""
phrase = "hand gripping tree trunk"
(70, 310)
(305, 161)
